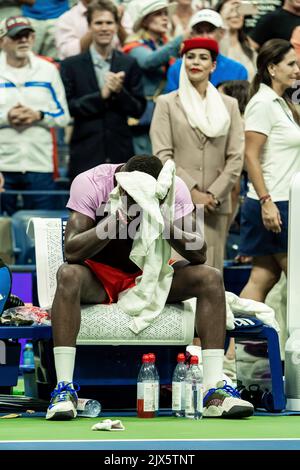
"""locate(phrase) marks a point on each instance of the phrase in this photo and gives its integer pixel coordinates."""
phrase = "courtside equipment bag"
(5, 285)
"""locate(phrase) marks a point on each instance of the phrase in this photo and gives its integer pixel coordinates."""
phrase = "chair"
(23, 245)
(258, 363)
(106, 355)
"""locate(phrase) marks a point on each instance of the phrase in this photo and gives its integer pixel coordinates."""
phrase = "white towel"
(236, 305)
(109, 425)
(250, 307)
(210, 114)
(150, 252)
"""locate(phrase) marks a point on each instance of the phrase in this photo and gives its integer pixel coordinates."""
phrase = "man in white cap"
(209, 23)
(32, 102)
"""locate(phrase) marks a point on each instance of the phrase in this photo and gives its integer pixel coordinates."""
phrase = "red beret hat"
(199, 43)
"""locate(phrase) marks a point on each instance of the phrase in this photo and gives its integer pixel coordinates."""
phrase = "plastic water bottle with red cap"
(146, 389)
(194, 390)
(178, 387)
(152, 358)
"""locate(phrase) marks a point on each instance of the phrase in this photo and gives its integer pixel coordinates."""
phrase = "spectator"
(277, 24)
(150, 47)
(181, 17)
(1, 183)
(235, 43)
(72, 34)
(103, 87)
(295, 41)
(43, 16)
(202, 131)
(33, 101)
(13, 7)
(272, 158)
(209, 23)
(238, 89)
(98, 269)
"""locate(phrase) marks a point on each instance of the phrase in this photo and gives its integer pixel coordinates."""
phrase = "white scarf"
(209, 115)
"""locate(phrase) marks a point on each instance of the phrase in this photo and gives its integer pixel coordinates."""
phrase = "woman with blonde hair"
(150, 46)
(202, 130)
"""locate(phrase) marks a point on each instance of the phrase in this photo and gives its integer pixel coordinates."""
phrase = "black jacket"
(101, 133)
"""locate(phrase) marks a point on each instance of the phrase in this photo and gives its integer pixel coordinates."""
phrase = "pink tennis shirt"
(92, 188)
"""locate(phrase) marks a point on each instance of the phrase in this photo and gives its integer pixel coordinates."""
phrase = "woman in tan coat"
(202, 131)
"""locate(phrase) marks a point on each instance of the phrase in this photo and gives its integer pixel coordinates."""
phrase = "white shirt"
(268, 114)
(38, 86)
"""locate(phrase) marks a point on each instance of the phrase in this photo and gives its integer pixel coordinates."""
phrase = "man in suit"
(103, 88)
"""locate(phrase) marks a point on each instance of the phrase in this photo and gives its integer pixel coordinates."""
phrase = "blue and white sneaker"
(63, 402)
(225, 401)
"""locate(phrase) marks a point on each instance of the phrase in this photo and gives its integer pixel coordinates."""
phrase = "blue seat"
(263, 349)
(5, 285)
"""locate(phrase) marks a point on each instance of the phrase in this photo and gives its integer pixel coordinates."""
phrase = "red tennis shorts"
(114, 280)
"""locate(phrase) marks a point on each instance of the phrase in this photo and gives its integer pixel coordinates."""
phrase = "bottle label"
(140, 391)
(82, 403)
(178, 402)
(146, 392)
(193, 398)
(156, 397)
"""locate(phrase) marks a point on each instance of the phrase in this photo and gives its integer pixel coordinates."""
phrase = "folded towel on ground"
(109, 425)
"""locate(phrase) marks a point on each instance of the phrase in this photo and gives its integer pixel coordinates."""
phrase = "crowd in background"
(96, 72)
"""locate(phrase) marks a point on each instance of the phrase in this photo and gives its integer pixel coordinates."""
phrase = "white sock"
(212, 367)
(64, 358)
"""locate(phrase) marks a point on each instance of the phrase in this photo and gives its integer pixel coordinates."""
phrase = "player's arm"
(84, 239)
(186, 238)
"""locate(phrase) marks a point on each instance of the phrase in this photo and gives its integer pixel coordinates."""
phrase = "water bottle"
(194, 390)
(178, 387)
(28, 355)
(88, 408)
(152, 365)
(146, 390)
(28, 369)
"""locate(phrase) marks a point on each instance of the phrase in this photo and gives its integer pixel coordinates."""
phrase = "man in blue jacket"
(209, 23)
